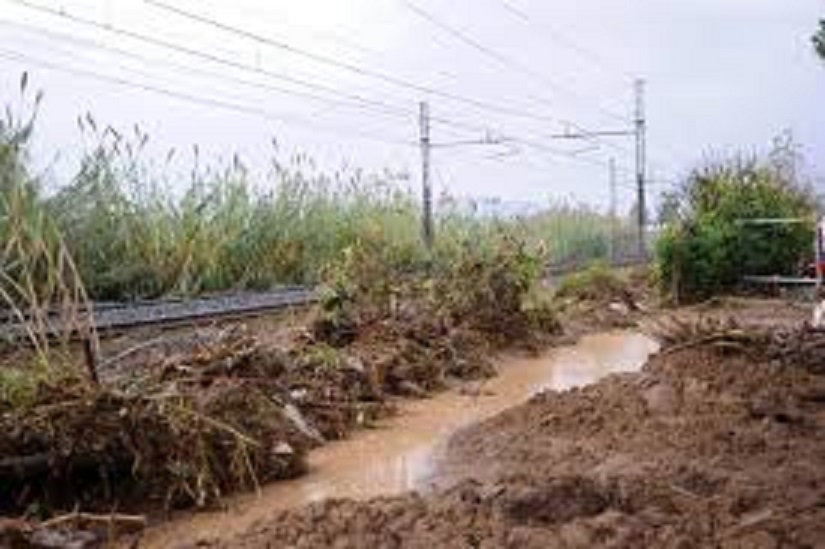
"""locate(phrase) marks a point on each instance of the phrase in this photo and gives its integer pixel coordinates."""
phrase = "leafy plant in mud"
(362, 284)
(493, 289)
(710, 246)
(490, 288)
(598, 283)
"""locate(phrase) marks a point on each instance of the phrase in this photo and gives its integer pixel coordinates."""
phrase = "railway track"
(167, 313)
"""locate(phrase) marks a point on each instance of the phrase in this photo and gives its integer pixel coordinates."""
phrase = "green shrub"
(708, 249)
(135, 227)
(599, 282)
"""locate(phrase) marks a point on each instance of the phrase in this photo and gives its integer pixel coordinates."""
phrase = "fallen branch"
(125, 523)
(728, 338)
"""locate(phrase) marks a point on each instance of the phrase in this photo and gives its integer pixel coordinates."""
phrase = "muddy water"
(400, 455)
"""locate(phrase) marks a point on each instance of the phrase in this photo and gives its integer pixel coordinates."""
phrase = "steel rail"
(119, 317)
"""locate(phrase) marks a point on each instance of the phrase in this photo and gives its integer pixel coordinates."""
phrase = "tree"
(819, 40)
(708, 249)
(669, 208)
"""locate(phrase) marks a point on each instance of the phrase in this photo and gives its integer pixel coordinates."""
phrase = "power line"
(398, 82)
(389, 109)
(349, 67)
(210, 102)
(241, 66)
(362, 104)
(511, 63)
(157, 42)
(336, 37)
(535, 143)
(499, 57)
(561, 39)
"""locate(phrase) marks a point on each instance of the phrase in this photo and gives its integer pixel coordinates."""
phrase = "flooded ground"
(401, 455)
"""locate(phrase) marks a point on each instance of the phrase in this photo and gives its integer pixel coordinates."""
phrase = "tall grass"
(136, 229)
(40, 287)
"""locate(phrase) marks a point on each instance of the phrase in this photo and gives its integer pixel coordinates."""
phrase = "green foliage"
(709, 249)
(18, 389)
(488, 286)
(138, 228)
(595, 283)
(669, 208)
(37, 271)
(577, 233)
(819, 40)
(134, 238)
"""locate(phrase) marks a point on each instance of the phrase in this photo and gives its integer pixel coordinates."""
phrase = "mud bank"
(403, 453)
(708, 446)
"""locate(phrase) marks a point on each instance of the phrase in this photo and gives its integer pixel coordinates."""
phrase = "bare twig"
(131, 523)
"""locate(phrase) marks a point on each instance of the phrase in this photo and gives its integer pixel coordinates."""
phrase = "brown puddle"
(399, 456)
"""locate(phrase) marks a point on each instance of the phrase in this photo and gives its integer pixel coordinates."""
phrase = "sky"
(342, 82)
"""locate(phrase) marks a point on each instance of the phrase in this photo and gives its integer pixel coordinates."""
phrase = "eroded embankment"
(714, 444)
(402, 454)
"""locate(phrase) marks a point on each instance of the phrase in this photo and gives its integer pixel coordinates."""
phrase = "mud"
(708, 446)
(403, 453)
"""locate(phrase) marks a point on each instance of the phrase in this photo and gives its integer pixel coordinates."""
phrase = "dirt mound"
(600, 298)
(199, 426)
(203, 416)
(711, 445)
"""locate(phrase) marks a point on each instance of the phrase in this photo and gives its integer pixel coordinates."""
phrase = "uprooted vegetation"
(714, 444)
(602, 297)
(229, 412)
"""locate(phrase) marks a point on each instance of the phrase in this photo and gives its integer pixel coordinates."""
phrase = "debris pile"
(417, 332)
(213, 415)
(192, 429)
(711, 445)
(796, 345)
(602, 298)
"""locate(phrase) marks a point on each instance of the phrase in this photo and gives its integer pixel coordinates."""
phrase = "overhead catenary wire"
(355, 102)
(193, 52)
(398, 82)
(200, 100)
(503, 59)
(350, 67)
(550, 32)
(340, 38)
(533, 142)
(506, 61)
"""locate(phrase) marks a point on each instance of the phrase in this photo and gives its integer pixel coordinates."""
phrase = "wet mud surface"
(405, 452)
(708, 446)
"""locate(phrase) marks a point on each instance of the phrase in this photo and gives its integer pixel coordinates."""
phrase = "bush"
(597, 283)
(131, 225)
(707, 249)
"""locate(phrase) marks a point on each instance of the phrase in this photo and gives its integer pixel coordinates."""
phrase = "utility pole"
(639, 132)
(641, 160)
(427, 233)
(613, 220)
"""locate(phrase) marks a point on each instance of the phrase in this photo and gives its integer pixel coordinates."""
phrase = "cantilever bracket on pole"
(488, 139)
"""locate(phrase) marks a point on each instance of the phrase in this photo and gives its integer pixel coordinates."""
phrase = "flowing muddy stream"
(401, 454)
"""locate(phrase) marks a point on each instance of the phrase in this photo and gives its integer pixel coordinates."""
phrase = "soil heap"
(718, 442)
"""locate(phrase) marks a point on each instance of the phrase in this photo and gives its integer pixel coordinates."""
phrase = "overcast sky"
(722, 75)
